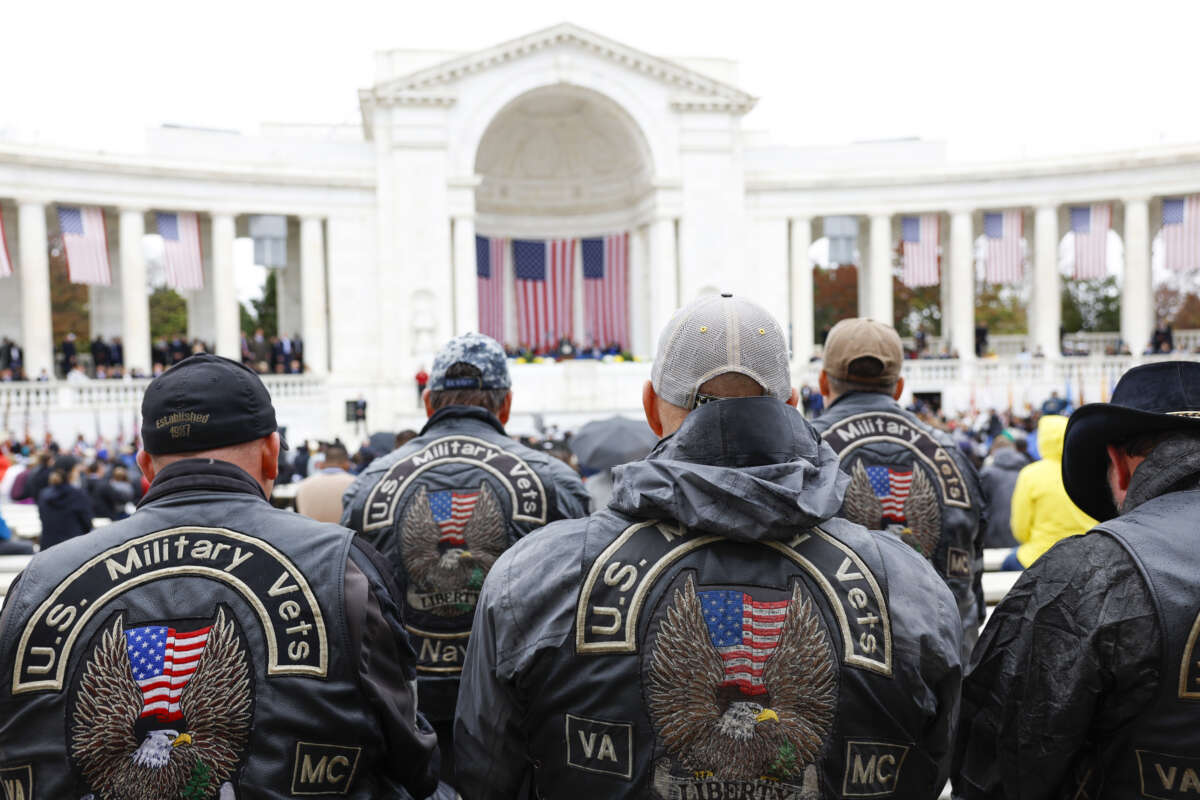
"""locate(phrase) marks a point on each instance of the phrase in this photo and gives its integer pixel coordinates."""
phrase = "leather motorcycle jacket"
(209, 646)
(909, 478)
(713, 633)
(442, 509)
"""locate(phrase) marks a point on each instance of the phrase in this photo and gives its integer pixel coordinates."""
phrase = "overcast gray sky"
(994, 80)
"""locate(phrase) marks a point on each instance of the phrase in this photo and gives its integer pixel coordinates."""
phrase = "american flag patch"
(451, 511)
(163, 661)
(891, 487)
(745, 632)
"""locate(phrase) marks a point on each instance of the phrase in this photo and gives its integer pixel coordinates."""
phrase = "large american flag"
(6, 267)
(451, 511)
(86, 241)
(606, 290)
(163, 660)
(891, 486)
(1181, 232)
(1005, 259)
(745, 632)
(919, 241)
(544, 272)
(1090, 226)
(181, 250)
(489, 275)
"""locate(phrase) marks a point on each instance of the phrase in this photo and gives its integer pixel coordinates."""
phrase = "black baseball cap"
(205, 402)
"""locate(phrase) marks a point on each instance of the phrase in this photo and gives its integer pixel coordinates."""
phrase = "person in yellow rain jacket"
(1042, 514)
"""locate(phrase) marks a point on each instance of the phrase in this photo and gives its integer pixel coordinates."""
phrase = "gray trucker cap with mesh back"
(718, 334)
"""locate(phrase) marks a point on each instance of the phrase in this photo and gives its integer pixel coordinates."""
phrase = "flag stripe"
(490, 286)
(1181, 233)
(606, 291)
(544, 291)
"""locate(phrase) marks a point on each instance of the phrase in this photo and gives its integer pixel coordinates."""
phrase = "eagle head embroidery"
(449, 542)
(161, 713)
(741, 689)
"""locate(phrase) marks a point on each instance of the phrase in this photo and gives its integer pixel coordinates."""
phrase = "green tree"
(1000, 308)
(917, 307)
(266, 308)
(168, 314)
(1091, 305)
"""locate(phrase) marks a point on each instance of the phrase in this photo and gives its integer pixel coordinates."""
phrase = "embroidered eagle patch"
(741, 689)
(161, 712)
(881, 498)
(450, 540)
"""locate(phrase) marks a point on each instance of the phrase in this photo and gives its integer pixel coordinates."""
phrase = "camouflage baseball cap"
(481, 352)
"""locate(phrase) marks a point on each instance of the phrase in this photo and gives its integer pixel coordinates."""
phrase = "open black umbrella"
(605, 443)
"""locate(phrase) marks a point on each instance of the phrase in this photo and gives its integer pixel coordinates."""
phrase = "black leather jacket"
(209, 646)
(909, 478)
(442, 509)
(713, 633)
(1084, 682)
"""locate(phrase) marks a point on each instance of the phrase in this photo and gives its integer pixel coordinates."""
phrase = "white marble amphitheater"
(558, 133)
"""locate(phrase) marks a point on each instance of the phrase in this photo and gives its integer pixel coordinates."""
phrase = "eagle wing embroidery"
(108, 705)
(217, 701)
(486, 533)
(860, 504)
(419, 541)
(922, 514)
(773, 735)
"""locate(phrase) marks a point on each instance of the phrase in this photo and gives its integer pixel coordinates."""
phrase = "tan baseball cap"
(859, 337)
(714, 335)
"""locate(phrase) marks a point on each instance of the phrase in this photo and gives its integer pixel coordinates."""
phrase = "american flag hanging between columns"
(490, 285)
(1090, 226)
(919, 241)
(1180, 233)
(6, 268)
(86, 243)
(606, 291)
(1005, 258)
(544, 272)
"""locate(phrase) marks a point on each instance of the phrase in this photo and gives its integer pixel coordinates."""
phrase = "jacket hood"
(1051, 429)
(59, 496)
(1011, 459)
(749, 468)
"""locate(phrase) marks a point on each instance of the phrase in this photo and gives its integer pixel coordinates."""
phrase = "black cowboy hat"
(1148, 399)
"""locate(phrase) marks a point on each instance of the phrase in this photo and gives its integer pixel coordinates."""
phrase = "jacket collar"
(464, 412)
(201, 474)
(873, 400)
(1173, 466)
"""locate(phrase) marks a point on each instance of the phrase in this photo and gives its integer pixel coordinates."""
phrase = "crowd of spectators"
(277, 355)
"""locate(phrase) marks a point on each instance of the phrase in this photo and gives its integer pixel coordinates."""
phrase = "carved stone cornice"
(724, 96)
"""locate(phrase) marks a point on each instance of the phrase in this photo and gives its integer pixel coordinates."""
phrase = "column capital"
(1047, 205)
(1144, 199)
(133, 209)
(222, 214)
(311, 218)
(805, 219)
(27, 200)
(955, 211)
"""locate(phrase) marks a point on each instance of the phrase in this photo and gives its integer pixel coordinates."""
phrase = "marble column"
(962, 283)
(1046, 308)
(1137, 293)
(802, 289)
(37, 332)
(466, 294)
(315, 329)
(224, 290)
(135, 305)
(641, 340)
(879, 290)
(664, 278)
